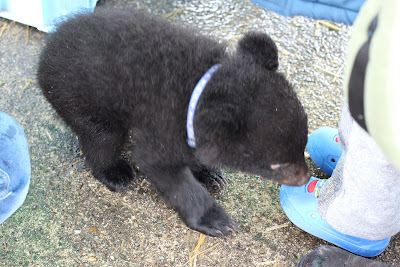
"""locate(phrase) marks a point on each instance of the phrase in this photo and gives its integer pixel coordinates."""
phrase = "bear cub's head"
(250, 119)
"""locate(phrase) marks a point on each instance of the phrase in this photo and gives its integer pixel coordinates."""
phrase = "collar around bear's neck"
(194, 99)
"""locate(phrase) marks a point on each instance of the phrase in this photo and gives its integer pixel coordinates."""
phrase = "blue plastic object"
(43, 14)
(301, 207)
(15, 167)
(324, 148)
(343, 11)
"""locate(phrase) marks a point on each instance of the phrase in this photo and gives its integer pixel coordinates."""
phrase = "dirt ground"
(70, 219)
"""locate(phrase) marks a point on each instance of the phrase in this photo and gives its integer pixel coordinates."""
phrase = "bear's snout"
(292, 174)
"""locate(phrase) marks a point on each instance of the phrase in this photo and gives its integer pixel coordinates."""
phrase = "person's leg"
(15, 169)
(361, 198)
(358, 207)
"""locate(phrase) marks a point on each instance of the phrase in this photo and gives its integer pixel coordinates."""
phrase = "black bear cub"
(111, 71)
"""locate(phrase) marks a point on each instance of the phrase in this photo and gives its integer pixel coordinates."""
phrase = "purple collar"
(194, 99)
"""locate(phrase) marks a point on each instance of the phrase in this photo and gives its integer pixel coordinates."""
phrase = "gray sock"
(334, 185)
(362, 198)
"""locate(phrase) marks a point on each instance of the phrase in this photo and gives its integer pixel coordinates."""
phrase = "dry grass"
(3, 28)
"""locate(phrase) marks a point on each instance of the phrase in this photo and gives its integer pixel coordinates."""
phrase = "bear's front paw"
(118, 177)
(215, 222)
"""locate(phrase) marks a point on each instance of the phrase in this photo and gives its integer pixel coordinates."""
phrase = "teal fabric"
(15, 167)
(44, 14)
(343, 11)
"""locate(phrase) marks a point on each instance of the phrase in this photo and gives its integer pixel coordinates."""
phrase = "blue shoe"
(324, 148)
(15, 167)
(300, 203)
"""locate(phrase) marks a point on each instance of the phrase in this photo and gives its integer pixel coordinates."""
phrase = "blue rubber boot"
(300, 203)
(15, 167)
(324, 148)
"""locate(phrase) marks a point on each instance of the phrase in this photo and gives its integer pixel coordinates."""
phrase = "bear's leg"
(102, 145)
(213, 179)
(194, 204)
(169, 173)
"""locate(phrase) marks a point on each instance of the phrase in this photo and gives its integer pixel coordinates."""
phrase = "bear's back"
(123, 59)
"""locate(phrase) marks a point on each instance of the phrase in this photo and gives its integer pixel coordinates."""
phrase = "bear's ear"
(261, 48)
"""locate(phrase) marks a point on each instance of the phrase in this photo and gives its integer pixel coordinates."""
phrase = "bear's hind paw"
(118, 177)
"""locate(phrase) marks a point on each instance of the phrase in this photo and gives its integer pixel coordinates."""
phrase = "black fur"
(112, 71)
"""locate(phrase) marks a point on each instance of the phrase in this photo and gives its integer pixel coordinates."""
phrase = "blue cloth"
(343, 11)
(15, 167)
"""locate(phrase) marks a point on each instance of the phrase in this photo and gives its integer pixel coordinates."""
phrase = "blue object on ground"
(301, 207)
(15, 167)
(43, 14)
(324, 148)
(343, 11)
